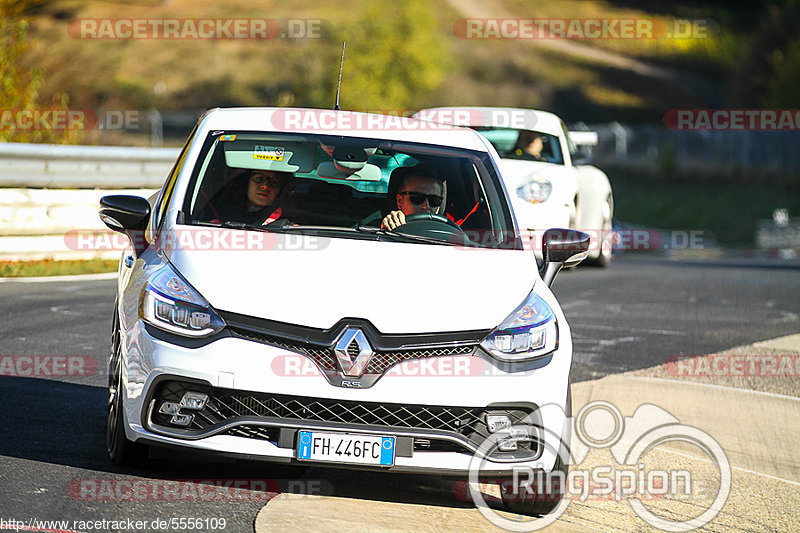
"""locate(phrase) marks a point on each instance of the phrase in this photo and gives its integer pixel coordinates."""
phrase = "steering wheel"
(434, 226)
(433, 217)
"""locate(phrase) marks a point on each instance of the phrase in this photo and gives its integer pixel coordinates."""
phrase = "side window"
(159, 212)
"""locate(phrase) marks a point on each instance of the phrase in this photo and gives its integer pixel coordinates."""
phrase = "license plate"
(345, 448)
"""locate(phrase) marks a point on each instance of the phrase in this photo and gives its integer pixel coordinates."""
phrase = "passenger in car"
(529, 146)
(252, 198)
(419, 189)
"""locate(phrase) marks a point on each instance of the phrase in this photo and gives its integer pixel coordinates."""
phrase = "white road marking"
(642, 330)
(723, 387)
(791, 482)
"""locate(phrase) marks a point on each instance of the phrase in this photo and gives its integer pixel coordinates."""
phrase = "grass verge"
(730, 211)
(50, 267)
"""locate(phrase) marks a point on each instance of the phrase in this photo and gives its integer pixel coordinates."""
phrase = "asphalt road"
(633, 315)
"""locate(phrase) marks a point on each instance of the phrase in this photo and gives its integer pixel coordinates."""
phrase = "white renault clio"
(267, 308)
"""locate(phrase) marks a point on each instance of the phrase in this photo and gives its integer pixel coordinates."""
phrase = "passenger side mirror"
(581, 158)
(128, 215)
(562, 248)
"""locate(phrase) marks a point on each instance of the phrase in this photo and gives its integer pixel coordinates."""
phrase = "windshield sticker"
(228, 138)
(272, 153)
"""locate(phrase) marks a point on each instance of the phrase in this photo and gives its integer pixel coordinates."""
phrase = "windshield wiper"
(400, 236)
(241, 225)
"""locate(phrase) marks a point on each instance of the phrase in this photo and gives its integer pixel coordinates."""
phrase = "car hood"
(517, 171)
(400, 288)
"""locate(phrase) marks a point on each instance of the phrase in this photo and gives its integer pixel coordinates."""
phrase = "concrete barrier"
(83, 167)
(48, 191)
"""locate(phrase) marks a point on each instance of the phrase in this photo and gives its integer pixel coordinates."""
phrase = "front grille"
(225, 406)
(322, 355)
(254, 432)
(352, 349)
(379, 363)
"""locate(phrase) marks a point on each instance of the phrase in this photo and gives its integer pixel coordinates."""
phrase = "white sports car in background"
(552, 189)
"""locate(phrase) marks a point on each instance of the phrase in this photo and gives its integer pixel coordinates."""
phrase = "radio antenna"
(338, 85)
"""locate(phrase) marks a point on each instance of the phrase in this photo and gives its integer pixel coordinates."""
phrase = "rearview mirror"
(562, 248)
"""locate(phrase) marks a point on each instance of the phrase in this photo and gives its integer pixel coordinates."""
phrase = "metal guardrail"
(83, 167)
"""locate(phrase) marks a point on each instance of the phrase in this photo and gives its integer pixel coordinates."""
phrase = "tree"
(20, 86)
(394, 52)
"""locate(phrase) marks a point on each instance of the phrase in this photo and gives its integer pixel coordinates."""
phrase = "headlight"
(170, 303)
(535, 191)
(529, 332)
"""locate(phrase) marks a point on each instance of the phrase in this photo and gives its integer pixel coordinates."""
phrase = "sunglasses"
(418, 198)
(260, 178)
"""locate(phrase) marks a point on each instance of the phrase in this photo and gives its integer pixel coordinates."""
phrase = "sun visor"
(280, 156)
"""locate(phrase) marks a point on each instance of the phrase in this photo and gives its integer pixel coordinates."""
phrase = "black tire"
(121, 451)
(603, 258)
(524, 503)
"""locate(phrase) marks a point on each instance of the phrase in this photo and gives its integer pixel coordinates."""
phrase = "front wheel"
(536, 498)
(121, 451)
(550, 492)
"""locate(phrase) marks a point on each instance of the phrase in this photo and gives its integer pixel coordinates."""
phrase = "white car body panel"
(392, 289)
(400, 288)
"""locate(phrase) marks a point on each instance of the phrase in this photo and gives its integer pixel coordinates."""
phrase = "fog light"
(181, 420)
(515, 435)
(194, 400)
(169, 408)
(497, 423)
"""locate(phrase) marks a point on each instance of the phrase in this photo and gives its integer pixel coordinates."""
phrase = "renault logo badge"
(353, 352)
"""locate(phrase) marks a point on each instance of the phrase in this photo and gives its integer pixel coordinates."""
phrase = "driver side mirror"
(562, 248)
(128, 215)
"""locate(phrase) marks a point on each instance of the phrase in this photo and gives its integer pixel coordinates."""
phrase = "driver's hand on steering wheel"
(393, 220)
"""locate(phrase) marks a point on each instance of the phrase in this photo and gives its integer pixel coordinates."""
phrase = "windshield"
(524, 144)
(346, 187)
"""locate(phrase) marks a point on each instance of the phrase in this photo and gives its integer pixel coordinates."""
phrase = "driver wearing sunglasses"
(420, 191)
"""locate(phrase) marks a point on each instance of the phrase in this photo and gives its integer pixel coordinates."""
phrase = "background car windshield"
(505, 141)
(340, 182)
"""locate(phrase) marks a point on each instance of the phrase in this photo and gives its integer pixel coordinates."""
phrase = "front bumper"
(256, 410)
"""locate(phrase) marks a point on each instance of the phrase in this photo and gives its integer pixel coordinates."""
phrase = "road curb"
(75, 277)
(760, 451)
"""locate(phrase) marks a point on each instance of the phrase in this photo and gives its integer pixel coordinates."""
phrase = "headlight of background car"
(170, 303)
(529, 332)
(535, 191)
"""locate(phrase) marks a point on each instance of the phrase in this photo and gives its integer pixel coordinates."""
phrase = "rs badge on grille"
(353, 352)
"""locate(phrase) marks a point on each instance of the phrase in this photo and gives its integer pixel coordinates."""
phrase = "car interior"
(335, 182)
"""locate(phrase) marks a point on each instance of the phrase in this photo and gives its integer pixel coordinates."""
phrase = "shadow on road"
(62, 423)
